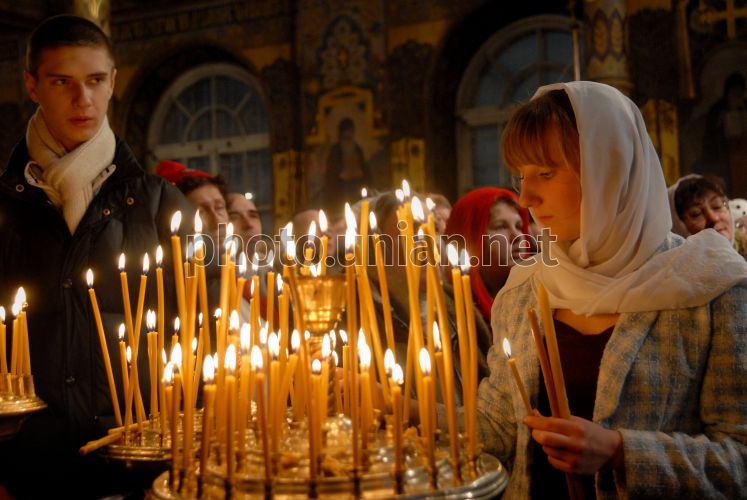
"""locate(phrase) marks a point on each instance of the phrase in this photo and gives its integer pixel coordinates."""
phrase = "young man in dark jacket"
(73, 197)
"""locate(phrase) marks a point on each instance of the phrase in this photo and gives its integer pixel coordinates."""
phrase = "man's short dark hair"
(62, 31)
(189, 184)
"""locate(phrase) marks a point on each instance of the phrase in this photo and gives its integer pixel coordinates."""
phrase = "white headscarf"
(614, 267)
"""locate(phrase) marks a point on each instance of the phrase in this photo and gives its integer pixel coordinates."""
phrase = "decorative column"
(98, 11)
(606, 59)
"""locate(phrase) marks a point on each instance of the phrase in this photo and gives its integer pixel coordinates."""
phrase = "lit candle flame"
(163, 356)
(364, 193)
(255, 263)
(194, 345)
(436, 337)
(429, 204)
(290, 249)
(350, 217)
(15, 309)
(176, 325)
(397, 376)
(332, 339)
(361, 338)
(316, 367)
(159, 256)
(389, 361)
(128, 355)
(257, 361)
(233, 320)
(279, 284)
(242, 264)
(263, 336)
(364, 354)
(218, 313)
(425, 362)
(322, 222)
(229, 230)
(452, 254)
(168, 374)
(464, 261)
(326, 348)
(312, 230)
(176, 355)
(121, 263)
(506, 348)
(343, 337)
(122, 331)
(198, 222)
(349, 240)
(406, 188)
(248, 195)
(372, 221)
(199, 245)
(295, 341)
(245, 338)
(146, 264)
(273, 346)
(417, 210)
(334, 356)
(230, 360)
(208, 370)
(400, 195)
(176, 221)
(150, 320)
(2, 314)
(89, 278)
(199, 319)
(316, 269)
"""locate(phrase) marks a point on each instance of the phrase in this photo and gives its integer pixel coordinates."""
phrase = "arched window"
(505, 72)
(214, 118)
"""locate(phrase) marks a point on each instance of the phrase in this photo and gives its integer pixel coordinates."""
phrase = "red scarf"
(469, 218)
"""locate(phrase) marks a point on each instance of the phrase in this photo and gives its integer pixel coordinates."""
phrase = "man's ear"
(113, 79)
(30, 82)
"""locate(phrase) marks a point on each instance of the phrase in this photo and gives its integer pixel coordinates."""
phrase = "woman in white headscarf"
(652, 328)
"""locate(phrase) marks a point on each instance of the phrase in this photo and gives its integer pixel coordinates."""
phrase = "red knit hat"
(175, 172)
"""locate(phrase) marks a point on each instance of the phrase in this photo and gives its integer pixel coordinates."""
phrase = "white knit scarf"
(67, 177)
(616, 264)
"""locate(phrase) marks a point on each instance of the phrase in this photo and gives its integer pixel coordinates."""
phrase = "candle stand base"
(14, 410)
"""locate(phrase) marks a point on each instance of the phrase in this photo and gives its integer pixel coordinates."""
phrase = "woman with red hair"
(492, 225)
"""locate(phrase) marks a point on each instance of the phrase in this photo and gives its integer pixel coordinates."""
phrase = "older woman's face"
(710, 211)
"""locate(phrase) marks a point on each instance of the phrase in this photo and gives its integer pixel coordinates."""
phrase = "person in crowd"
(247, 224)
(74, 197)
(650, 327)
(385, 207)
(493, 227)
(206, 192)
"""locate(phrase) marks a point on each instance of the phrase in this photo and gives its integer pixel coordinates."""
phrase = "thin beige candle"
(273, 417)
(336, 384)
(153, 357)
(262, 409)
(345, 372)
(383, 286)
(102, 343)
(244, 388)
(125, 378)
(552, 352)
(271, 302)
(397, 379)
(168, 382)
(208, 400)
(230, 394)
(364, 354)
(176, 256)
(539, 342)
(316, 369)
(324, 242)
(517, 376)
(175, 419)
(3, 354)
(161, 325)
(426, 420)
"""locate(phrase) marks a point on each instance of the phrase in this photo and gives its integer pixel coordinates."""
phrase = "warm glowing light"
(273, 346)
(349, 240)
(176, 221)
(89, 278)
(388, 361)
(343, 337)
(15, 309)
(230, 360)
(334, 356)
(199, 319)
(322, 221)
(326, 348)
(312, 230)
(2, 314)
(176, 325)
(208, 370)
(122, 331)
(406, 188)
(194, 345)
(316, 269)
(364, 193)
(121, 263)
(229, 230)
(350, 217)
(397, 375)
(430, 204)
(316, 367)
(263, 336)
(295, 341)
(279, 284)
(436, 337)
(163, 356)
(199, 245)
(364, 354)
(248, 196)
(128, 355)
(233, 320)
(417, 210)
(176, 355)
(198, 222)
(245, 338)
(257, 362)
(464, 261)
(159, 256)
(372, 221)
(218, 313)
(425, 362)
(452, 254)
(290, 249)
(361, 338)
(400, 195)
(332, 339)
(255, 264)
(506, 347)
(150, 320)
(306, 335)
(146, 264)
(168, 374)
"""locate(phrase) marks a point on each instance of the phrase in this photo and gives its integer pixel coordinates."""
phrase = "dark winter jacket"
(130, 213)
